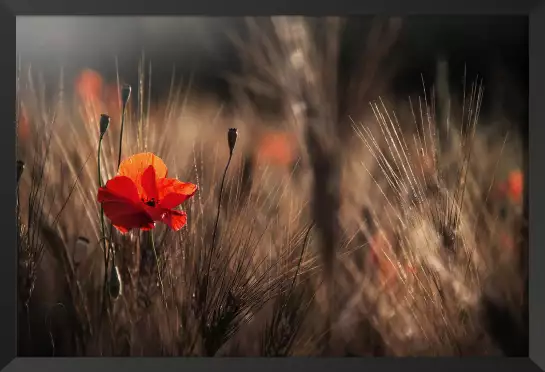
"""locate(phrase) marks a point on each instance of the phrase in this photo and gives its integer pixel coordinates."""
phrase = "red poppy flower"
(513, 187)
(141, 194)
(23, 127)
(89, 85)
(277, 148)
(516, 186)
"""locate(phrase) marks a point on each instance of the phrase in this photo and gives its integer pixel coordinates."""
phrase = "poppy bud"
(125, 94)
(104, 124)
(232, 135)
(115, 283)
(20, 169)
(81, 250)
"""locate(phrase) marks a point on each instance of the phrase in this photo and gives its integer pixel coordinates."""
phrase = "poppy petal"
(155, 213)
(175, 220)
(140, 225)
(119, 187)
(172, 192)
(126, 215)
(119, 199)
(135, 166)
(121, 229)
(149, 184)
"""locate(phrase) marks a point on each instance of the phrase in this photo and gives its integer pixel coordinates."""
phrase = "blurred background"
(494, 47)
(299, 91)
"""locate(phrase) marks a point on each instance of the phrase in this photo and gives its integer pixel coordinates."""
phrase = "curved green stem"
(121, 134)
(214, 234)
(101, 209)
(219, 206)
(103, 228)
(111, 251)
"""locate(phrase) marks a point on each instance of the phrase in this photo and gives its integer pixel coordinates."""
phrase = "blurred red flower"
(141, 194)
(513, 187)
(516, 186)
(23, 126)
(89, 86)
(277, 148)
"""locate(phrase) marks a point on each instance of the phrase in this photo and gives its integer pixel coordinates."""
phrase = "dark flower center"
(150, 202)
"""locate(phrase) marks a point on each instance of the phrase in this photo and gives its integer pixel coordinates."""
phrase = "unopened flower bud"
(232, 135)
(82, 249)
(125, 94)
(115, 283)
(104, 124)
(20, 169)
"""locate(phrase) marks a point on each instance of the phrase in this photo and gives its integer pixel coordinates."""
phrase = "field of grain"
(340, 219)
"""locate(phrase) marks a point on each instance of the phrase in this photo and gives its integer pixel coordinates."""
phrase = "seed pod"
(104, 124)
(115, 285)
(82, 249)
(125, 94)
(232, 135)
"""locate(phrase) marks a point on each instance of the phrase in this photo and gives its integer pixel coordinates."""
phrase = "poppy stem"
(152, 241)
(103, 228)
(125, 97)
(219, 208)
(121, 133)
(100, 185)
(231, 147)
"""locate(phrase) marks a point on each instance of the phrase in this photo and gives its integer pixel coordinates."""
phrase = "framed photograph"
(215, 185)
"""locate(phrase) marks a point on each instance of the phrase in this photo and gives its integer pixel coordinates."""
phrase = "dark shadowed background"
(494, 47)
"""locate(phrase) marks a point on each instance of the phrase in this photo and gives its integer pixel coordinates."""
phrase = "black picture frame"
(534, 9)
